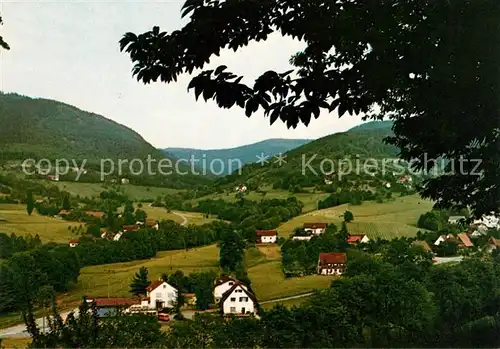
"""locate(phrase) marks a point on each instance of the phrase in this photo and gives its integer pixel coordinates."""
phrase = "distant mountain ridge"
(246, 154)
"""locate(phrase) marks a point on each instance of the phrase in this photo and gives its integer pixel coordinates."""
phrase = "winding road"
(184, 218)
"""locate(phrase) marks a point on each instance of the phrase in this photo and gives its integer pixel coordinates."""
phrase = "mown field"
(135, 192)
(397, 217)
(114, 279)
(15, 219)
(310, 200)
(268, 281)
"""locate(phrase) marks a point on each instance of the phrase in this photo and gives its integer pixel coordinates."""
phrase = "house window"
(158, 294)
(233, 299)
(164, 286)
(242, 299)
(232, 309)
(231, 283)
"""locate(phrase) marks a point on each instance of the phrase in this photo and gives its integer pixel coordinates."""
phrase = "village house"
(462, 240)
(74, 242)
(315, 228)
(125, 181)
(53, 177)
(241, 188)
(357, 239)
(424, 245)
(481, 226)
(64, 212)
(222, 285)
(152, 224)
(159, 295)
(331, 263)
(96, 214)
(493, 244)
(267, 236)
(455, 219)
(110, 306)
(133, 227)
(238, 300)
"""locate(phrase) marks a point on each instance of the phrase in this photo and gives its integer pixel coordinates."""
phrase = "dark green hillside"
(347, 145)
(52, 129)
(41, 128)
(246, 153)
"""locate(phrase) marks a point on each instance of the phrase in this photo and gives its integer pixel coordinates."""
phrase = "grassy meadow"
(14, 219)
(397, 217)
(268, 282)
(114, 279)
(135, 192)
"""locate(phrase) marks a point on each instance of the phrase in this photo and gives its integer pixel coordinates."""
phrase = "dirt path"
(184, 218)
(287, 298)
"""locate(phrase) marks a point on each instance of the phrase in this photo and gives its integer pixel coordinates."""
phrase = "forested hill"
(373, 125)
(347, 145)
(49, 129)
(247, 154)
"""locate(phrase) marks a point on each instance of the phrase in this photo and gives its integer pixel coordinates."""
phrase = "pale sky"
(68, 51)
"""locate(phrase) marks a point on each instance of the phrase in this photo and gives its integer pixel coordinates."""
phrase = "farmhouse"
(424, 244)
(96, 214)
(110, 306)
(315, 228)
(462, 240)
(238, 300)
(267, 236)
(493, 243)
(331, 263)
(357, 239)
(159, 295)
(134, 227)
(74, 242)
(455, 219)
(152, 223)
(222, 285)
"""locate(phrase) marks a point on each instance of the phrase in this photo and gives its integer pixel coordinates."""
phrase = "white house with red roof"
(462, 240)
(357, 239)
(238, 300)
(315, 228)
(159, 295)
(331, 263)
(74, 242)
(267, 236)
(222, 285)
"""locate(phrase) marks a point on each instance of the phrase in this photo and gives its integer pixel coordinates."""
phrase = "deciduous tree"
(430, 66)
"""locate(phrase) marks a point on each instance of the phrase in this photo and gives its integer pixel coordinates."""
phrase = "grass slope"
(114, 279)
(386, 220)
(246, 154)
(14, 219)
(268, 281)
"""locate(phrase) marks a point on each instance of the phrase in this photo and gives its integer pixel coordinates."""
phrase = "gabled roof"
(495, 242)
(315, 225)
(332, 257)
(223, 280)
(237, 284)
(355, 238)
(133, 227)
(114, 302)
(152, 286)
(424, 244)
(464, 238)
(94, 214)
(74, 241)
(267, 232)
